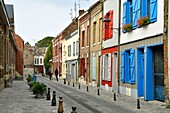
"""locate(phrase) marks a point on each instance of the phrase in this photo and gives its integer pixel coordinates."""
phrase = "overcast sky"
(36, 19)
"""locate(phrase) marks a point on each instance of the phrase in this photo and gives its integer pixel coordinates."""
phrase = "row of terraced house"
(118, 45)
(11, 47)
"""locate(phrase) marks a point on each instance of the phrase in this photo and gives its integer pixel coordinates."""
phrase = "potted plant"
(39, 90)
(127, 27)
(29, 79)
(31, 84)
(142, 21)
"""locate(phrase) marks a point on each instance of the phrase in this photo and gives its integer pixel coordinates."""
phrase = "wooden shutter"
(136, 12)
(103, 63)
(153, 10)
(144, 8)
(94, 68)
(132, 66)
(124, 13)
(123, 66)
(111, 24)
(109, 66)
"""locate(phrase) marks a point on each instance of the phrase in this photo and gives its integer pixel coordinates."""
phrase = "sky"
(36, 19)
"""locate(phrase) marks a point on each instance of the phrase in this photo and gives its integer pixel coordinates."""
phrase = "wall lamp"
(108, 20)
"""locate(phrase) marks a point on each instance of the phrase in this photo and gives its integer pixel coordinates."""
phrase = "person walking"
(56, 74)
(50, 74)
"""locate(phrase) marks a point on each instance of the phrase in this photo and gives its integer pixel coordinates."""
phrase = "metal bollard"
(73, 84)
(53, 102)
(48, 95)
(98, 93)
(60, 105)
(79, 85)
(138, 104)
(74, 109)
(64, 81)
(114, 96)
(87, 89)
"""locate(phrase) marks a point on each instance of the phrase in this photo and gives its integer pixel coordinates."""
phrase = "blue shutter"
(144, 8)
(124, 12)
(136, 12)
(132, 66)
(128, 13)
(153, 10)
(123, 66)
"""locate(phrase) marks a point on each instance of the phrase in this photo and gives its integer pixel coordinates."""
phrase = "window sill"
(94, 44)
(99, 43)
(87, 46)
(82, 47)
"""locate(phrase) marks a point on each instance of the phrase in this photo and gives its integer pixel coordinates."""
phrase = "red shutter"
(111, 24)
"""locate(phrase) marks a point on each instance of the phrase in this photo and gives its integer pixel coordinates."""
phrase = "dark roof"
(10, 11)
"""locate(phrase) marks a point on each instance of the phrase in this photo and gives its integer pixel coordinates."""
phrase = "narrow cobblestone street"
(19, 99)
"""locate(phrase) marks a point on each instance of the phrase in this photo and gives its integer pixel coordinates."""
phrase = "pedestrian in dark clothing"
(56, 74)
(50, 74)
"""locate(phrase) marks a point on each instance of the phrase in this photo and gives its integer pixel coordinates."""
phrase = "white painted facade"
(38, 60)
(144, 32)
(74, 37)
(64, 57)
(112, 5)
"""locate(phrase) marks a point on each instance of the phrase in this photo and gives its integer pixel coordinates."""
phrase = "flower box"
(143, 21)
(127, 28)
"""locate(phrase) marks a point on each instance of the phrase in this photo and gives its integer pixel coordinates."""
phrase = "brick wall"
(19, 55)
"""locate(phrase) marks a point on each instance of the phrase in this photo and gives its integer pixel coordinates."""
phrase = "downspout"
(88, 77)
(118, 67)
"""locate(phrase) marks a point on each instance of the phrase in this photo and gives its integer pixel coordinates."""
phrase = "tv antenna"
(79, 4)
(71, 14)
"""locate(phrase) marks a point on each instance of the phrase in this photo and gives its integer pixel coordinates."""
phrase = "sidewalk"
(122, 100)
(19, 99)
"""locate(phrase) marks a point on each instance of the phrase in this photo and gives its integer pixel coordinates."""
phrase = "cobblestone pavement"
(19, 99)
(122, 100)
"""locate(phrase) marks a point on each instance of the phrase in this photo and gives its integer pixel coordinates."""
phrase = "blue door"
(140, 70)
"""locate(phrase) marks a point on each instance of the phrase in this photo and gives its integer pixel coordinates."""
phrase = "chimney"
(81, 12)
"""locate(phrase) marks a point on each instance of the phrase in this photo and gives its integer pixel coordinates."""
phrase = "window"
(128, 66)
(83, 38)
(40, 60)
(135, 9)
(107, 67)
(107, 31)
(69, 50)
(100, 29)
(37, 60)
(74, 48)
(87, 40)
(77, 47)
(94, 32)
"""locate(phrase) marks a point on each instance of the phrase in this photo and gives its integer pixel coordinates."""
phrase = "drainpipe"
(88, 77)
(118, 56)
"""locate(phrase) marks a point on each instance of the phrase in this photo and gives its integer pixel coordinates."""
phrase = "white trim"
(82, 47)
(87, 46)
(94, 44)
(99, 43)
(94, 19)
(88, 23)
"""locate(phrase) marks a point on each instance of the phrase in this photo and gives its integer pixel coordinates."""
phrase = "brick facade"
(19, 55)
(165, 41)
